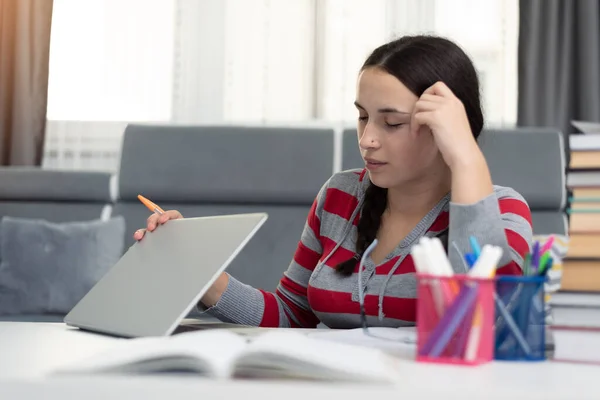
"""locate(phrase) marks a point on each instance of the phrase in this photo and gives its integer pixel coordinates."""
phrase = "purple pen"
(535, 257)
(448, 324)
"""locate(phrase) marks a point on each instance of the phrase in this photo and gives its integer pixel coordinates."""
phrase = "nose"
(369, 138)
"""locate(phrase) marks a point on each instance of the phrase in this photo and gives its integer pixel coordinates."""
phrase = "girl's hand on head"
(444, 114)
(155, 220)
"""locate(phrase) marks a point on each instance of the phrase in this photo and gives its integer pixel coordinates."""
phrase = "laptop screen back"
(160, 279)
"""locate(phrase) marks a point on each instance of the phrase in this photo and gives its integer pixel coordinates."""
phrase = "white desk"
(28, 352)
(32, 350)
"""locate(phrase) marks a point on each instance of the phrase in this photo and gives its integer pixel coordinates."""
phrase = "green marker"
(543, 262)
(547, 267)
(527, 264)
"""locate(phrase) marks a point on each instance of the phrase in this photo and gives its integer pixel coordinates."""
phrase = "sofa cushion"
(48, 267)
(531, 161)
(36, 184)
(548, 222)
(230, 164)
(350, 151)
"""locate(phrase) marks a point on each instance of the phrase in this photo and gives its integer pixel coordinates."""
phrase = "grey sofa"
(55, 196)
(208, 170)
(223, 170)
(212, 170)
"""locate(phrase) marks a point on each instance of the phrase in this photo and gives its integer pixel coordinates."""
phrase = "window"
(244, 61)
(350, 30)
(486, 30)
(111, 62)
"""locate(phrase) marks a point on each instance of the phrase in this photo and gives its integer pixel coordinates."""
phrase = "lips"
(373, 164)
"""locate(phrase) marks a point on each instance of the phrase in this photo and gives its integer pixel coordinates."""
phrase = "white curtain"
(269, 60)
(350, 29)
(243, 62)
(488, 31)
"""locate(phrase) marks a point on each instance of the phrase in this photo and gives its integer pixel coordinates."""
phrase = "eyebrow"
(384, 110)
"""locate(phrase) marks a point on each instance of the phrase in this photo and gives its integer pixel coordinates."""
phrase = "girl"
(419, 117)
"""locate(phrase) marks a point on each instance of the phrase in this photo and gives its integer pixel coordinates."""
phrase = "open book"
(224, 354)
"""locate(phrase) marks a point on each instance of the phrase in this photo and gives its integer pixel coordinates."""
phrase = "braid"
(368, 225)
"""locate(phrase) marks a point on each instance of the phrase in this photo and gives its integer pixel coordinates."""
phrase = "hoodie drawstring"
(380, 314)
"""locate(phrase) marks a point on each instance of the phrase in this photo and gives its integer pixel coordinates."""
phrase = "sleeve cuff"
(239, 304)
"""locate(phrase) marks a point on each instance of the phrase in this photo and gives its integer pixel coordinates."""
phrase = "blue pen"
(475, 246)
(470, 259)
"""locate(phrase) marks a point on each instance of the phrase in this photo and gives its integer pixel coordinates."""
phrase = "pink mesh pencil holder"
(455, 317)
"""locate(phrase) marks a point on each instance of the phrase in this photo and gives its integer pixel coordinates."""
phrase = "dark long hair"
(418, 62)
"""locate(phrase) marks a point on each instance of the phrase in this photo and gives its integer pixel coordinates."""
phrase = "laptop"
(159, 280)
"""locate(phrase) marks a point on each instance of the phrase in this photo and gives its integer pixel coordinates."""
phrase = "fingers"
(139, 234)
(152, 222)
(439, 88)
(421, 118)
(424, 117)
(155, 220)
(163, 218)
(434, 98)
(425, 105)
(169, 214)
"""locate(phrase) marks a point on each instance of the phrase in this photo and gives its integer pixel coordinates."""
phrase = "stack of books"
(581, 267)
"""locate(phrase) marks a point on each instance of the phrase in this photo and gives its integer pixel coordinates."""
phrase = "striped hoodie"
(311, 291)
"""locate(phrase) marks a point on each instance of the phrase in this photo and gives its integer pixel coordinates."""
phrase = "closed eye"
(395, 125)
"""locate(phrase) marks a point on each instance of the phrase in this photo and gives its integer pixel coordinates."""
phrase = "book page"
(587, 142)
(207, 353)
(576, 345)
(287, 354)
(400, 342)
